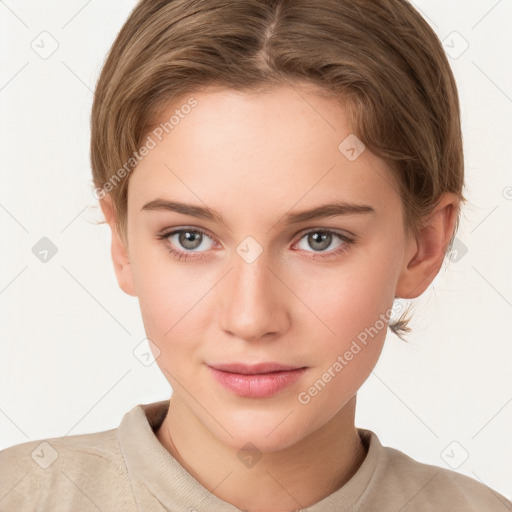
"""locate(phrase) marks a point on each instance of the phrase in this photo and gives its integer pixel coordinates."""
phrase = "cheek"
(169, 299)
(168, 315)
(177, 306)
(352, 307)
(345, 359)
(348, 299)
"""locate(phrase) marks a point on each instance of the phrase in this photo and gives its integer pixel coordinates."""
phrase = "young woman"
(275, 173)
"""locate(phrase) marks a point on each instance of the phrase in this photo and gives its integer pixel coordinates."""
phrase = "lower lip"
(258, 385)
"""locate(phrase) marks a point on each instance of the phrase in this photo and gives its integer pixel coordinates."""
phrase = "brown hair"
(379, 58)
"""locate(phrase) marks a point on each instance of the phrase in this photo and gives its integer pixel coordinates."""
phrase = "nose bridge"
(251, 273)
(251, 303)
(251, 278)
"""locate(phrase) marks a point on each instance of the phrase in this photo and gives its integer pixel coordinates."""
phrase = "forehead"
(277, 147)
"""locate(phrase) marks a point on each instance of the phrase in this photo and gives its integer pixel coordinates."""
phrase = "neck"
(289, 479)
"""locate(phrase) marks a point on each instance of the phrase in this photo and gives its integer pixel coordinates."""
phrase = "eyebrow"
(335, 209)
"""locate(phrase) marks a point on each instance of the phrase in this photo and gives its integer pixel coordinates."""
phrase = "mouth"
(260, 380)
(254, 369)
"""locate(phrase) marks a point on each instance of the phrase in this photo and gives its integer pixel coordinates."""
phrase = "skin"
(254, 158)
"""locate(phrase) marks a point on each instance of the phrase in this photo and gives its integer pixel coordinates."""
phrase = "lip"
(258, 380)
(252, 369)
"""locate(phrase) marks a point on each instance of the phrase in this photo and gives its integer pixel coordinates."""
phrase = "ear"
(426, 252)
(119, 251)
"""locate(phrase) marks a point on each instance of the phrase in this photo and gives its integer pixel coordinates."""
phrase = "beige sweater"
(127, 469)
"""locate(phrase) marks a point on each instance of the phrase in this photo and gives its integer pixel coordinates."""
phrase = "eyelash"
(183, 255)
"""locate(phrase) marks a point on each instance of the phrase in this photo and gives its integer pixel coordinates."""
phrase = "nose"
(254, 301)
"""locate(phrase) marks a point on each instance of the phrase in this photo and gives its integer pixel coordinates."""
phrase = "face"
(255, 282)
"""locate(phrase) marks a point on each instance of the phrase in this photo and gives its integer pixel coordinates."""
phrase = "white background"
(68, 332)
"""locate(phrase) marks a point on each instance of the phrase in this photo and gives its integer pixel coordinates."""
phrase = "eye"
(182, 243)
(185, 243)
(321, 239)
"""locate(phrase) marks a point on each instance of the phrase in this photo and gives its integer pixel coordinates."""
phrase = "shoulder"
(81, 470)
(419, 486)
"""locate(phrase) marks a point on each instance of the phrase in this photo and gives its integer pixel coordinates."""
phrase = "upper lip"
(252, 369)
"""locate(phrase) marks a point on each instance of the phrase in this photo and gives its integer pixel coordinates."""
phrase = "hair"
(378, 58)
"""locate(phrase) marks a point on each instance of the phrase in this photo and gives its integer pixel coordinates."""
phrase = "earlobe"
(119, 252)
(425, 254)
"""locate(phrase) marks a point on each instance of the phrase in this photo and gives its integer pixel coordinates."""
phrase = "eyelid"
(341, 232)
(170, 231)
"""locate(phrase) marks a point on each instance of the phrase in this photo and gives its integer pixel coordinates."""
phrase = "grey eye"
(320, 240)
(189, 239)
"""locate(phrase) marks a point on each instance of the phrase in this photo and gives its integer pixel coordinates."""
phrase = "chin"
(266, 430)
